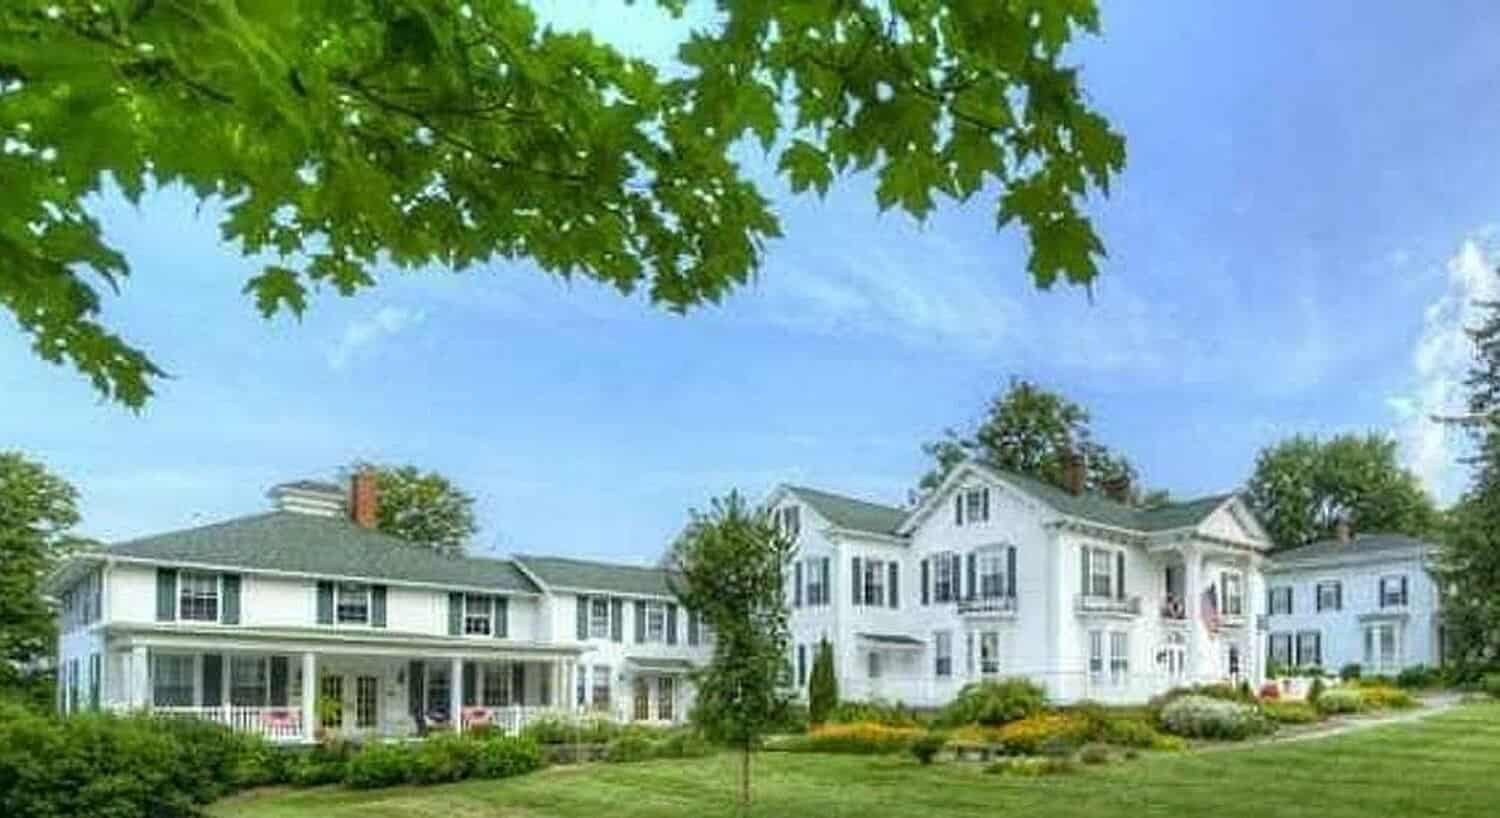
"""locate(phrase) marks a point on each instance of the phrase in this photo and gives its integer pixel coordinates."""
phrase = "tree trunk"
(745, 778)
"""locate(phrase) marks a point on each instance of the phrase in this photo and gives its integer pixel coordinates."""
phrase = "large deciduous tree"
(422, 507)
(732, 563)
(1030, 430)
(1302, 487)
(37, 510)
(1468, 569)
(339, 135)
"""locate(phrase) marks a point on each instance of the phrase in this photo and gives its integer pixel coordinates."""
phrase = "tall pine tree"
(1469, 567)
(822, 686)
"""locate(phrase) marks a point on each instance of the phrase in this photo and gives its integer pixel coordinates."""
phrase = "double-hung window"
(172, 680)
(991, 564)
(1382, 649)
(943, 578)
(1392, 591)
(353, 603)
(198, 595)
(249, 681)
(1280, 601)
(601, 688)
(1330, 596)
(598, 618)
(1234, 593)
(942, 651)
(496, 680)
(1280, 649)
(815, 571)
(1101, 572)
(1309, 649)
(1119, 657)
(975, 507)
(656, 622)
(989, 653)
(479, 615)
(874, 583)
(1096, 657)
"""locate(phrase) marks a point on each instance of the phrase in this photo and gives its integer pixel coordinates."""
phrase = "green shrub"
(1032, 767)
(1221, 691)
(1127, 732)
(926, 748)
(822, 685)
(380, 765)
(1291, 712)
(795, 718)
(1350, 671)
(1094, 754)
(877, 712)
(503, 757)
(1491, 684)
(1419, 676)
(1315, 690)
(994, 703)
(262, 764)
(1385, 698)
(683, 744)
(1045, 734)
(864, 738)
(1340, 700)
(1205, 717)
(584, 730)
(1166, 743)
(628, 748)
(443, 758)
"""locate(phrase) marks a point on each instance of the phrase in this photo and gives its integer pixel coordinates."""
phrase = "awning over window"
(656, 665)
(892, 640)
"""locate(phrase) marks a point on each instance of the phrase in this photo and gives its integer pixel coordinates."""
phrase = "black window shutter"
(279, 676)
(502, 617)
(797, 584)
(1010, 572)
(827, 592)
(958, 569)
(1380, 591)
(213, 680)
(166, 594)
(858, 584)
(640, 621)
(471, 685)
(455, 614)
(325, 603)
(1403, 589)
(617, 619)
(1338, 595)
(1289, 600)
(229, 612)
(518, 683)
(377, 606)
(973, 561)
(894, 590)
(671, 623)
(1120, 575)
(986, 496)
(1083, 553)
(692, 628)
(583, 618)
(958, 508)
(926, 585)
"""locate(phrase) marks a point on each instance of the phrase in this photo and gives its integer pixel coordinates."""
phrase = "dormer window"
(971, 507)
(352, 605)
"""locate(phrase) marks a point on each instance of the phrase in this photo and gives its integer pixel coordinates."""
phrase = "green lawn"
(1447, 765)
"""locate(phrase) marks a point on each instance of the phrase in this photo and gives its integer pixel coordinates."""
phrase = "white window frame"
(1375, 657)
(1389, 589)
(990, 565)
(1096, 656)
(942, 567)
(1280, 594)
(942, 653)
(187, 679)
(873, 583)
(1287, 658)
(193, 594)
(599, 617)
(476, 623)
(656, 622)
(494, 683)
(1119, 657)
(600, 681)
(1318, 636)
(1336, 586)
(1234, 604)
(816, 591)
(259, 668)
(989, 643)
(1111, 556)
(975, 507)
(349, 597)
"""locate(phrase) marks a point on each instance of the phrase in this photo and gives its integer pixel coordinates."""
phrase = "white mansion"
(305, 619)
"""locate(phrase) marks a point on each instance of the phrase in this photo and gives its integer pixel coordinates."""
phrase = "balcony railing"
(987, 606)
(1120, 606)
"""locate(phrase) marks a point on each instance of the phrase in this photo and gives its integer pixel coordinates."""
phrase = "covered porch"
(365, 687)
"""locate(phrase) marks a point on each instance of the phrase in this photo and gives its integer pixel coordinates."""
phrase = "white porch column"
(1252, 654)
(456, 696)
(1192, 590)
(309, 694)
(139, 694)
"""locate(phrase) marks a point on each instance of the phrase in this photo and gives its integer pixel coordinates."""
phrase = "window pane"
(198, 594)
(249, 681)
(353, 603)
(172, 680)
(477, 618)
(599, 618)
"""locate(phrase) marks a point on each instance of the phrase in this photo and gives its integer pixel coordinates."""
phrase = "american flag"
(1210, 609)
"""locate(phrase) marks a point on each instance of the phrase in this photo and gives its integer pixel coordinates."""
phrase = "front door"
(366, 702)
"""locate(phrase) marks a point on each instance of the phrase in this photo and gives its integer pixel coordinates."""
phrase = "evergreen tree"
(822, 686)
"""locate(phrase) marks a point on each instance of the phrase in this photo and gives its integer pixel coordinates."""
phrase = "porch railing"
(512, 719)
(274, 723)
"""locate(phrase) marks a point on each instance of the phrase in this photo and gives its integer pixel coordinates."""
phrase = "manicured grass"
(1447, 765)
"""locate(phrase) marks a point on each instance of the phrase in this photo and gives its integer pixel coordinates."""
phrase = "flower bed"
(1291, 712)
(1196, 716)
(864, 738)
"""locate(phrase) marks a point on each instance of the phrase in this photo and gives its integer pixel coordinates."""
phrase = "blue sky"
(1309, 206)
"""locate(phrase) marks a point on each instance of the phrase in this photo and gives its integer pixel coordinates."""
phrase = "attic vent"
(309, 497)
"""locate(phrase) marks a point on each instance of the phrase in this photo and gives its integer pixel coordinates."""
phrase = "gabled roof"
(851, 513)
(1357, 548)
(329, 546)
(1097, 508)
(568, 574)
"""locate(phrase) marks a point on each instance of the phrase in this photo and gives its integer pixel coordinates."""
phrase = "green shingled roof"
(332, 546)
(1097, 508)
(847, 512)
(586, 575)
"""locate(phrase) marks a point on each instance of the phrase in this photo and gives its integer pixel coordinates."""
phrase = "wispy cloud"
(386, 322)
(1440, 358)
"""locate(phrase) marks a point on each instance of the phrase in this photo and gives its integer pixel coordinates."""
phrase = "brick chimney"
(1074, 471)
(1341, 530)
(364, 498)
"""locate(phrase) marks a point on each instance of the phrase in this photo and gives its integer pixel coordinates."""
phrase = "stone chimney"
(1074, 472)
(1341, 530)
(364, 498)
